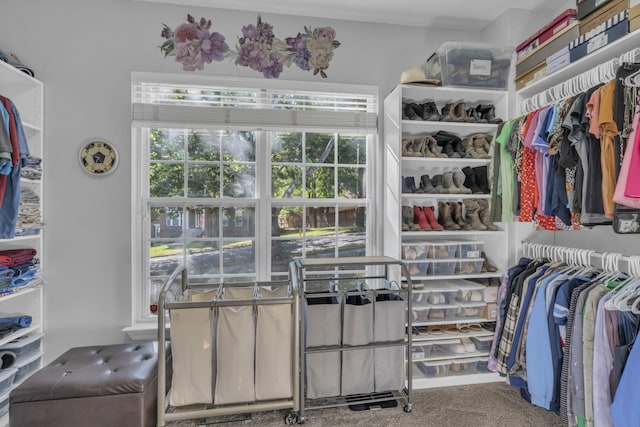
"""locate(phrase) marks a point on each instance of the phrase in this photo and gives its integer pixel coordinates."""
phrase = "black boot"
(436, 182)
(426, 186)
(430, 111)
(487, 112)
(470, 180)
(411, 184)
(482, 180)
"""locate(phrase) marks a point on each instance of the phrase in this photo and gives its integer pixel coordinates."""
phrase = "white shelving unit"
(27, 94)
(397, 166)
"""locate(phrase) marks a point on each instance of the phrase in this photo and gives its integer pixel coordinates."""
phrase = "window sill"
(142, 331)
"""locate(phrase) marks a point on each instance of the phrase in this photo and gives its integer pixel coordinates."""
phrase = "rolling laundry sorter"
(233, 346)
(353, 341)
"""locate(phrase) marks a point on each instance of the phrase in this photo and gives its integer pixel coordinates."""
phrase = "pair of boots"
(478, 215)
(426, 146)
(476, 179)
(450, 216)
(446, 183)
(451, 144)
(419, 218)
(477, 146)
(487, 267)
(483, 113)
(425, 110)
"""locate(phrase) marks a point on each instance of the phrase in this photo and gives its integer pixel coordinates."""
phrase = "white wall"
(84, 51)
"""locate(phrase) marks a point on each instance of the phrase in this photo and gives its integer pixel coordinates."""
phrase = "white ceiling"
(470, 15)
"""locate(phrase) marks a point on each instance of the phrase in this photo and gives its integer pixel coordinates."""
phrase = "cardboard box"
(634, 24)
(558, 60)
(490, 294)
(603, 14)
(614, 29)
(546, 32)
(548, 48)
(634, 12)
(538, 72)
(587, 7)
(490, 311)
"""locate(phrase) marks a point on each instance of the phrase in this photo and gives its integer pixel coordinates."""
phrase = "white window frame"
(143, 327)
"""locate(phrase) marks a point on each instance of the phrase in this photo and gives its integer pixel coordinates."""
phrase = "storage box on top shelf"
(559, 40)
(545, 33)
(476, 65)
(536, 73)
(587, 7)
(634, 17)
(602, 14)
(558, 60)
(604, 34)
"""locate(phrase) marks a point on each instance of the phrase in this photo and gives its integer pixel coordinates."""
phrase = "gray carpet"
(482, 405)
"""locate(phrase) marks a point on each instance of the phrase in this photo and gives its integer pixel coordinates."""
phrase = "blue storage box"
(605, 33)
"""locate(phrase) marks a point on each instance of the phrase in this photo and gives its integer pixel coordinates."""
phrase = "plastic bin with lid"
(441, 267)
(467, 64)
(463, 366)
(420, 314)
(442, 312)
(470, 249)
(6, 379)
(417, 267)
(483, 343)
(470, 310)
(4, 404)
(434, 369)
(421, 350)
(26, 366)
(429, 250)
(469, 291)
(442, 293)
(469, 266)
(447, 347)
(24, 345)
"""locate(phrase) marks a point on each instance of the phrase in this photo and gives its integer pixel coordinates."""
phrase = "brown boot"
(407, 147)
(471, 215)
(486, 266)
(444, 216)
(478, 144)
(418, 148)
(434, 148)
(456, 215)
(447, 183)
(460, 112)
(484, 212)
(447, 114)
(458, 180)
(424, 147)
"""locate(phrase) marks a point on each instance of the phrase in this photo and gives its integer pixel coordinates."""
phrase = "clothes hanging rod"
(609, 261)
(577, 84)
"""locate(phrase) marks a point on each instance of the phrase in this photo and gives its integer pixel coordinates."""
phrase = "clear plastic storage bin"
(471, 310)
(429, 250)
(417, 268)
(447, 348)
(4, 404)
(442, 312)
(482, 366)
(6, 379)
(421, 351)
(26, 367)
(470, 249)
(483, 343)
(420, 314)
(469, 266)
(24, 345)
(470, 65)
(435, 369)
(463, 367)
(439, 267)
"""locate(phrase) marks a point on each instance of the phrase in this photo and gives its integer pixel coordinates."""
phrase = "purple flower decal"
(166, 32)
(212, 46)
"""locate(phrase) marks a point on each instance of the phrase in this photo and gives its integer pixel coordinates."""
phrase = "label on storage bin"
(473, 254)
(597, 42)
(480, 67)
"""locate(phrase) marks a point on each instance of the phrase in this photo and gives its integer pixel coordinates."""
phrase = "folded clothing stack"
(13, 60)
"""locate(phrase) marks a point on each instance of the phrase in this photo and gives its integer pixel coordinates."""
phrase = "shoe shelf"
(420, 381)
(458, 276)
(429, 336)
(439, 233)
(460, 128)
(458, 321)
(418, 163)
(444, 196)
(452, 356)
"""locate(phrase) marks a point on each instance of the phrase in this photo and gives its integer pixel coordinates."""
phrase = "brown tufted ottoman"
(110, 386)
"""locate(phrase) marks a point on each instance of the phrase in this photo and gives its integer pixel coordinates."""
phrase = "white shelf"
(452, 94)
(447, 196)
(430, 234)
(431, 162)
(458, 276)
(19, 333)
(417, 339)
(452, 356)
(15, 78)
(456, 321)
(461, 129)
(454, 380)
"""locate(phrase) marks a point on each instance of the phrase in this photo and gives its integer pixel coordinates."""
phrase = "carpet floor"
(481, 405)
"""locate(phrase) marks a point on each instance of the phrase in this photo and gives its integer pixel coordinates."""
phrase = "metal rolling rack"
(172, 297)
(305, 273)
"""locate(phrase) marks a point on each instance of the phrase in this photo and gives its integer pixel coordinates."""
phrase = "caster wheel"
(290, 419)
(408, 407)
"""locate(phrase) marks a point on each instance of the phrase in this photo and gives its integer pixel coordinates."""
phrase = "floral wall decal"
(193, 45)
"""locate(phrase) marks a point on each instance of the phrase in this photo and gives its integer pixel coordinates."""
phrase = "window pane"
(239, 146)
(320, 183)
(239, 257)
(166, 144)
(286, 181)
(166, 222)
(286, 221)
(320, 247)
(352, 149)
(203, 258)
(239, 180)
(204, 145)
(164, 257)
(204, 181)
(351, 183)
(283, 252)
(320, 147)
(286, 147)
(203, 221)
(352, 247)
(166, 180)
(240, 222)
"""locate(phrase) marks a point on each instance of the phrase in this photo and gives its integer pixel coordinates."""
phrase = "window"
(237, 178)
